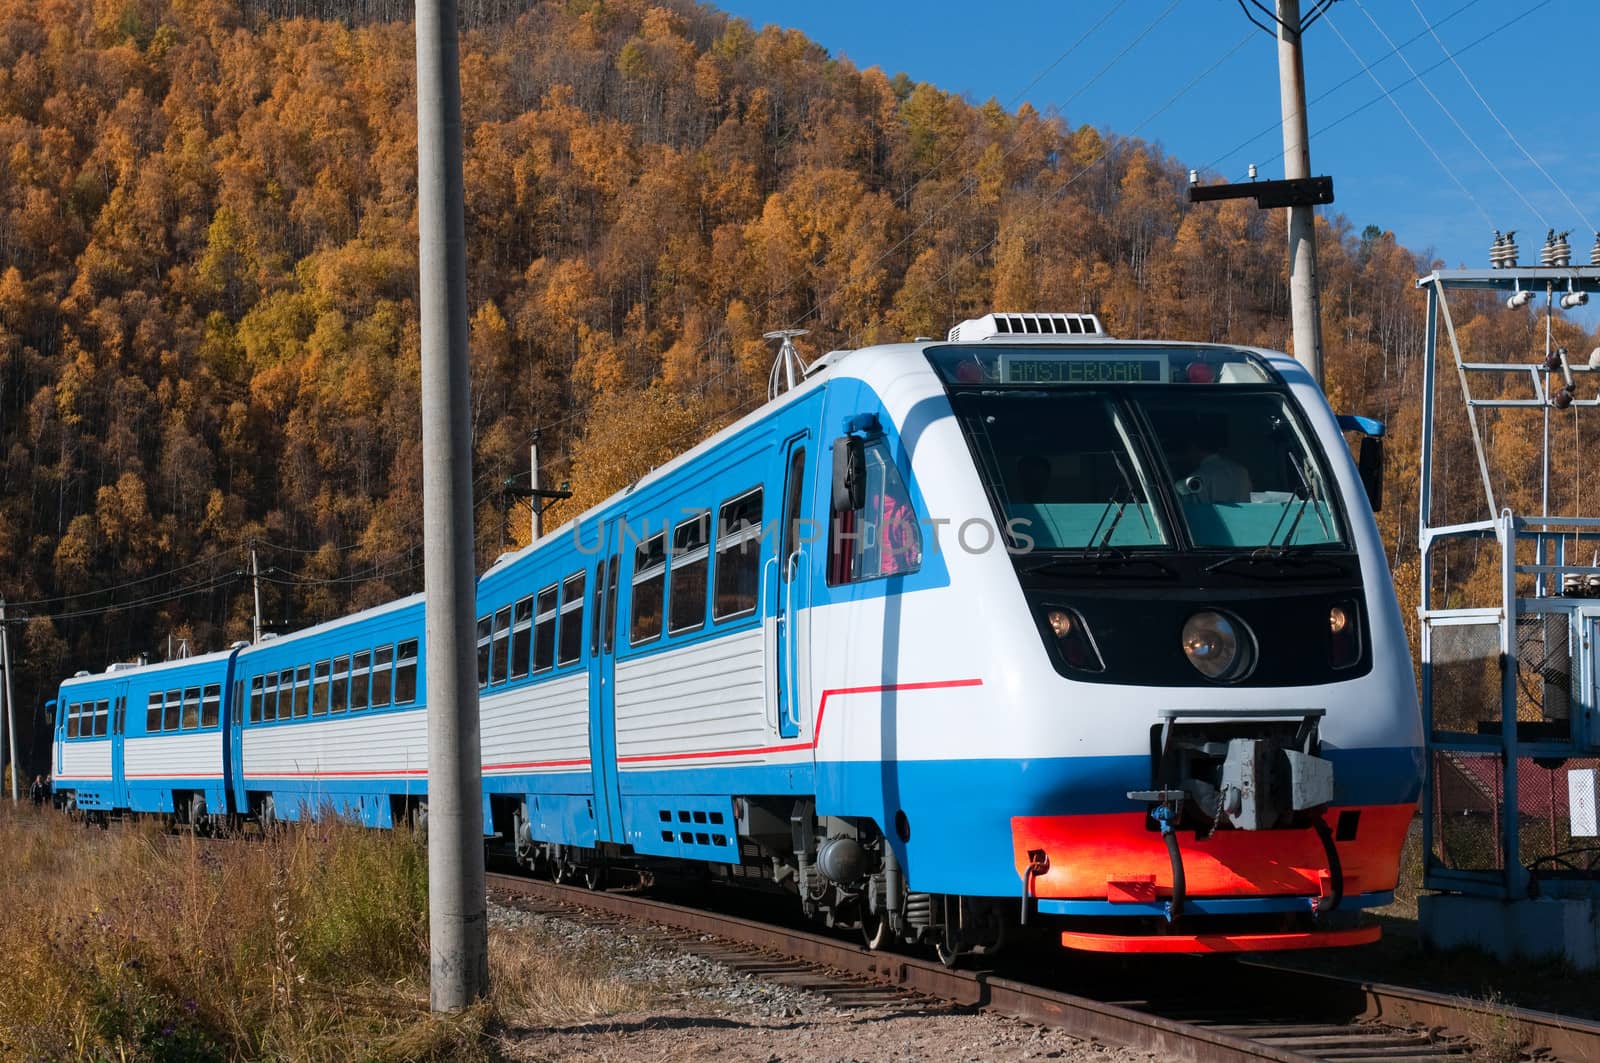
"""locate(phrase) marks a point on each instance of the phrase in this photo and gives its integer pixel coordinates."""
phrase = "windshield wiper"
(1280, 559)
(1097, 546)
(1100, 561)
(1312, 487)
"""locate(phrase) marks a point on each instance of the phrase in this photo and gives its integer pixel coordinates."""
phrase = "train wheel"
(875, 933)
(594, 877)
(199, 822)
(560, 871)
(948, 956)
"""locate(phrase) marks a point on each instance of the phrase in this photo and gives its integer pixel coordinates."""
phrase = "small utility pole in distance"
(255, 580)
(535, 495)
(11, 711)
(457, 923)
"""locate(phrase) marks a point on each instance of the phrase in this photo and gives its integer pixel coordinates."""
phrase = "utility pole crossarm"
(1298, 192)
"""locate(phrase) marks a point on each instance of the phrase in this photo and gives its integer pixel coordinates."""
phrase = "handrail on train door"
(769, 636)
(791, 652)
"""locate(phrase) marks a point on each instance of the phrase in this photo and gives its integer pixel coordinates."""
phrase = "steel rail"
(1562, 1036)
(1079, 1016)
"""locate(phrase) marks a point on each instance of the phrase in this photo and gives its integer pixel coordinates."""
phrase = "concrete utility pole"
(535, 503)
(457, 917)
(1304, 301)
(11, 710)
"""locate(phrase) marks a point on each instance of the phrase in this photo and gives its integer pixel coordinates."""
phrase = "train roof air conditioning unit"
(1028, 327)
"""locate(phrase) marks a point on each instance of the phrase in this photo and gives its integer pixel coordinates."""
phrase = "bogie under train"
(1025, 626)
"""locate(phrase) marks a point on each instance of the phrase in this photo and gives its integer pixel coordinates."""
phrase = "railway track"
(1208, 1011)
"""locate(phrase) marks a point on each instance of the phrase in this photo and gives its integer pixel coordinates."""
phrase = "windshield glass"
(1241, 468)
(1096, 467)
(1063, 469)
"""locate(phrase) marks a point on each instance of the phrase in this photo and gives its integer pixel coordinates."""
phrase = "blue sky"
(1537, 73)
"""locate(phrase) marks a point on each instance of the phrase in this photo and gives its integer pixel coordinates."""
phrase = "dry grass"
(308, 945)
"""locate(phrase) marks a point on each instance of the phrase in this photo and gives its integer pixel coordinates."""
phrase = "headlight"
(1072, 638)
(1344, 636)
(1218, 647)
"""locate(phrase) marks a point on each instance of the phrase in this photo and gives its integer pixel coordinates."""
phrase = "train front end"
(1219, 744)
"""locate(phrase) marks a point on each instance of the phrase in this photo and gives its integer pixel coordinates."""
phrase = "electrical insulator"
(1503, 252)
(1555, 252)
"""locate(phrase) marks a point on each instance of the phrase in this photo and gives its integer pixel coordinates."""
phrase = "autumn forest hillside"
(208, 333)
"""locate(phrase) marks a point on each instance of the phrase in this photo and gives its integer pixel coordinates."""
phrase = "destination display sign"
(1095, 368)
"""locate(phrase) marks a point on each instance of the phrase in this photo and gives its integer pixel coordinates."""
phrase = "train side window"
(738, 576)
(649, 590)
(483, 652)
(255, 699)
(360, 679)
(339, 688)
(173, 712)
(691, 556)
(791, 508)
(570, 646)
(382, 675)
(302, 692)
(544, 630)
(521, 637)
(152, 713)
(269, 698)
(319, 689)
(191, 708)
(882, 538)
(72, 721)
(405, 673)
(498, 658)
(211, 705)
(102, 713)
(286, 694)
(611, 603)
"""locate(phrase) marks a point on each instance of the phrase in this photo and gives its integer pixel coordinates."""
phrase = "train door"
(788, 590)
(602, 686)
(118, 725)
(233, 711)
(58, 732)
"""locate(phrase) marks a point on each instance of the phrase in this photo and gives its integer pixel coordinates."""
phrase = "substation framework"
(1511, 690)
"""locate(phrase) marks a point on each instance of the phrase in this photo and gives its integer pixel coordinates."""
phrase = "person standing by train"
(36, 792)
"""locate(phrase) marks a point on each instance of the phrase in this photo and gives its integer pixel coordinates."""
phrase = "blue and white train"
(1024, 626)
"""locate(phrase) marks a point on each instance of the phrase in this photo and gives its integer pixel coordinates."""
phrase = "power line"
(1276, 125)
(1098, 159)
(1427, 69)
(1447, 113)
(1504, 128)
(969, 183)
(167, 574)
(1449, 172)
(201, 587)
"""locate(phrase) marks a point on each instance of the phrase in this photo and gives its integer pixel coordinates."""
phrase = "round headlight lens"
(1337, 620)
(1215, 645)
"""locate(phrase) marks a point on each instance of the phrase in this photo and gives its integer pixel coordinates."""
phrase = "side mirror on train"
(1370, 464)
(849, 474)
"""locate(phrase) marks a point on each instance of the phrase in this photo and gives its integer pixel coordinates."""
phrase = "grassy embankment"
(308, 945)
